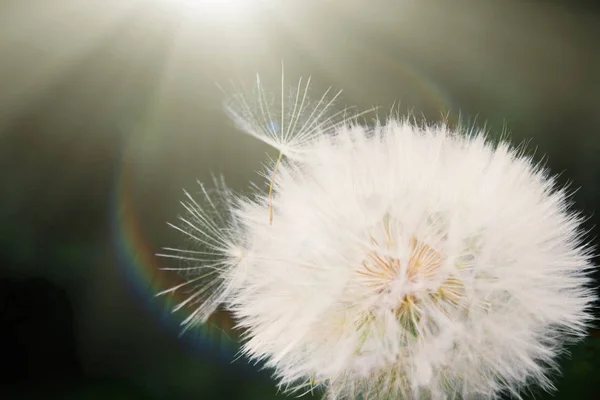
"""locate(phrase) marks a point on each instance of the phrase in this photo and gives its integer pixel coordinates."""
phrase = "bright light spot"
(212, 7)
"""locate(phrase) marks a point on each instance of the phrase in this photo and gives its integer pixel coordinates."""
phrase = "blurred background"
(108, 109)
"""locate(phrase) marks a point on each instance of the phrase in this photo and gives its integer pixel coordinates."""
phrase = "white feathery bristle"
(291, 122)
(213, 255)
(400, 261)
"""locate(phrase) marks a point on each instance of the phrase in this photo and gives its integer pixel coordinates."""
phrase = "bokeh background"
(108, 109)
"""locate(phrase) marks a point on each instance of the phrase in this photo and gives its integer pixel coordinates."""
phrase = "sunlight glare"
(211, 7)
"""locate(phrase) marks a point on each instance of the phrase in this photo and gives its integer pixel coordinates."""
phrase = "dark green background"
(91, 89)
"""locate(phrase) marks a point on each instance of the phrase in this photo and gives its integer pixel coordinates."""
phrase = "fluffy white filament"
(401, 260)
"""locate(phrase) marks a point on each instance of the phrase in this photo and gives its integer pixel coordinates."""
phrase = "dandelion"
(399, 260)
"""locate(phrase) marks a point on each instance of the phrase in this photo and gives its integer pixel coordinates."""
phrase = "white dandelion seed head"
(403, 261)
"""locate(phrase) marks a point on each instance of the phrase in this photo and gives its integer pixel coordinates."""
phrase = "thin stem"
(271, 188)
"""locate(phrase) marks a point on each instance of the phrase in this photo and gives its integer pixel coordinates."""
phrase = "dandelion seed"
(398, 261)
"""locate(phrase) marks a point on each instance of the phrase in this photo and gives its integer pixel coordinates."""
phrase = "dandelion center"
(406, 287)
